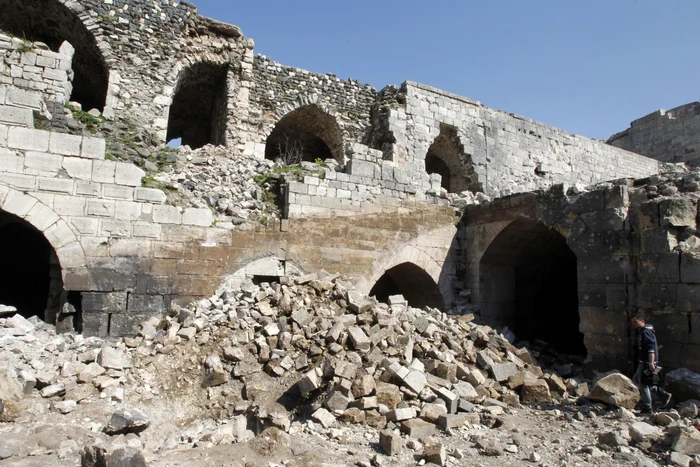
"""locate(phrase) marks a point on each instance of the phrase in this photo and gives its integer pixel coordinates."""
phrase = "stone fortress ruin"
(422, 193)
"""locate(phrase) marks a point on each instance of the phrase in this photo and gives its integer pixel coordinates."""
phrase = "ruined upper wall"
(509, 153)
(668, 136)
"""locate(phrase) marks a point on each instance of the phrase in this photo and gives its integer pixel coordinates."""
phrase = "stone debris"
(299, 358)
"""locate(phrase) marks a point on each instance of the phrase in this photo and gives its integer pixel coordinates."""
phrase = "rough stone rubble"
(314, 360)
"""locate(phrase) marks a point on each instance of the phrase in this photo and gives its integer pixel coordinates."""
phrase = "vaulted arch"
(53, 22)
(305, 133)
(528, 281)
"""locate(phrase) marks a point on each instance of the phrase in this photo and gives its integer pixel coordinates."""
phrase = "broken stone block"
(90, 372)
(642, 432)
(535, 392)
(451, 399)
(64, 407)
(446, 421)
(555, 383)
(358, 303)
(52, 390)
(27, 380)
(476, 378)
(366, 403)
(399, 414)
(336, 401)
(324, 417)
(363, 386)
(686, 441)
(352, 415)
(391, 443)
(417, 428)
(126, 420)
(234, 354)
(502, 371)
(615, 389)
(310, 382)
(446, 371)
(435, 453)
(415, 381)
(214, 373)
(375, 419)
(683, 384)
(432, 412)
(359, 339)
(112, 358)
(465, 391)
(388, 394)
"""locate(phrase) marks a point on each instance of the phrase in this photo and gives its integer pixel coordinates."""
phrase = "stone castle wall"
(666, 135)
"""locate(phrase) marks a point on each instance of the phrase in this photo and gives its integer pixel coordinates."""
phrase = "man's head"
(637, 322)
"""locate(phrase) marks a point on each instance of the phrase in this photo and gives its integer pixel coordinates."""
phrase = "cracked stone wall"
(636, 253)
(666, 135)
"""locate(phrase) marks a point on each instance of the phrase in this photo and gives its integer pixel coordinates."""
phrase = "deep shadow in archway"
(52, 23)
(30, 275)
(198, 112)
(409, 280)
(529, 283)
(305, 134)
(447, 158)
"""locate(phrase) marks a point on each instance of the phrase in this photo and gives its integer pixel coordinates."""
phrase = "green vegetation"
(24, 48)
(90, 121)
(263, 220)
(149, 181)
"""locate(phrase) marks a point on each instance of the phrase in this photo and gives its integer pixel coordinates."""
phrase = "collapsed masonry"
(393, 188)
(313, 358)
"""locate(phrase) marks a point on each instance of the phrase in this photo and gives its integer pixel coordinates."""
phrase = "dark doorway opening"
(199, 108)
(30, 275)
(409, 280)
(305, 134)
(529, 283)
(446, 157)
(52, 23)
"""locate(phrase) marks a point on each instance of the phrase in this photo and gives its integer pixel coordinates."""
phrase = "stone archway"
(410, 265)
(306, 133)
(528, 282)
(53, 22)
(198, 111)
(447, 158)
(57, 232)
(409, 280)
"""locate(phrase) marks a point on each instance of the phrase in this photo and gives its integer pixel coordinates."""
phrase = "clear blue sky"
(587, 66)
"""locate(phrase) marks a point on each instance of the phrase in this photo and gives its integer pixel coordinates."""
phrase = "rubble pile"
(215, 177)
(312, 357)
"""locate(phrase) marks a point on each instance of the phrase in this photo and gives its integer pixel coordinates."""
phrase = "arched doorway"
(528, 282)
(446, 157)
(409, 280)
(30, 274)
(305, 134)
(198, 112)
(52, 23)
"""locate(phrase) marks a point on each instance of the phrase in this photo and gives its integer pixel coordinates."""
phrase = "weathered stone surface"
(125, 420)
(683, 384)
(391, 443)
(642, 432)
(417, 428)
(214, 372)
(536, 391)
(615, 389)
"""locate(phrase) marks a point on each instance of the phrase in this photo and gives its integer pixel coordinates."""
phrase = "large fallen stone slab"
(683, 384)
(126, 420)
(615, 389)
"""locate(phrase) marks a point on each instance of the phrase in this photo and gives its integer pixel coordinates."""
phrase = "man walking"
(647, 377)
